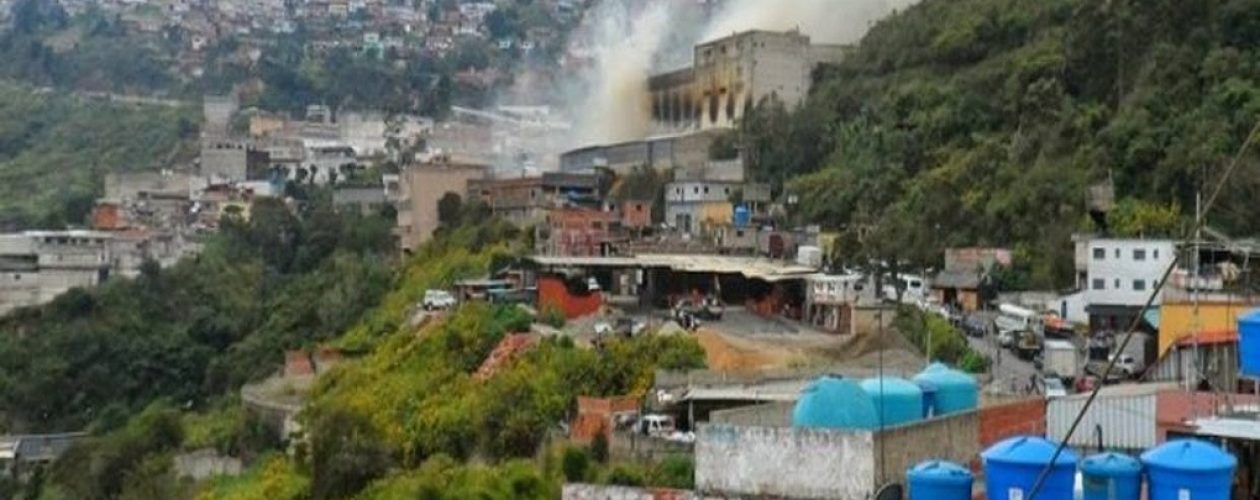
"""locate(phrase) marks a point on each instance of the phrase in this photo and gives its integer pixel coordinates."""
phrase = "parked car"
(975, 326)
(655, 425)
(1006, 339)
(438, 299)
(1052, 387)
(1128, 365)
(708, 309)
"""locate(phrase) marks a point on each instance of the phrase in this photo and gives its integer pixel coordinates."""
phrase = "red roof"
(1210, 337)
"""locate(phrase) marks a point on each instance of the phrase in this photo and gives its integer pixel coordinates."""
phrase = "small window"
(1100, 254)
(1099, 284)
(1139, 254)
(695, 190)
(17, 277)
(1139, 285)
(597, 225)
(1155, 253)
(706, 190)
(1117, 253)
(1117, 284)
(638, 207)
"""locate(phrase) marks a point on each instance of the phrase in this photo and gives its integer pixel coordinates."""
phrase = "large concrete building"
(37, 266)
(730, 75)
(525, 201)
(1117, 276)
(421, 188)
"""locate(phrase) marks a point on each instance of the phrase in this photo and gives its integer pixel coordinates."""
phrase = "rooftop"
(750, 267)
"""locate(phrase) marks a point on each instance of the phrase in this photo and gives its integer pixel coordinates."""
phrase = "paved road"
(1009, 372)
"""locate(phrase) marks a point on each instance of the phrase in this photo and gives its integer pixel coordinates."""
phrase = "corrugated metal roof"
(751, 267)
(1126, 419)
(1232, 428)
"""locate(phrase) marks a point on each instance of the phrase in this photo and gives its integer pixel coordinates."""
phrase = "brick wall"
(998, 422)
(595, 416)
(1173, 407)
(553, 292)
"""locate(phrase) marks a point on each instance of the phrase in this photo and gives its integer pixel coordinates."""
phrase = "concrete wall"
(1114, 267)
(224, 160)
(954, 438)
(784, 462)
(603, 492)
(423, 186)
(778, 414)
(204, 464)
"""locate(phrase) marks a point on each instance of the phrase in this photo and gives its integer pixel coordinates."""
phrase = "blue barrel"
(897, 400)
(1189, 468)
(955, 391)
(834, 403)
(742, 215)
(1249, 344)
(937, 480)
(1011, 468)
(1111, 476)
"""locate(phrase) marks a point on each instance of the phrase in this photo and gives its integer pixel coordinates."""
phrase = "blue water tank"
(929, 397)
(834, 403)
(1249, 344)
(955, 391)
(1011, 468)
(1111, 476)
(742, 216)
(1189, 468)
(938, 480)
(897, 400)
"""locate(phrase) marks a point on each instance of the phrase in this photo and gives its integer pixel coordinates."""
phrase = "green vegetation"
(938, 339)
(982, 122)
(54, 151)
(197, 330)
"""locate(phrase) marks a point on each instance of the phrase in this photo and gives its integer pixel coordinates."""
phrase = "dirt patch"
(731, 354)
(742, 354)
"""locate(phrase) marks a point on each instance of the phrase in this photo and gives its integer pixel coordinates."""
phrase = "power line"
(1111, 363)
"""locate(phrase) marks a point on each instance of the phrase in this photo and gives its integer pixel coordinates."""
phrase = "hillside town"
(828, 373)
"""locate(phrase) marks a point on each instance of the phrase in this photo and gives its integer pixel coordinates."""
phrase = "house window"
(638, 207)
(1100, 254)
(1139, 254)
(597, 225)
(706, 190)
(1117, 253)
(1139, 285)
(1099, 284)
(727, 191)
(1155, 253)
(1117, 284)
(695, 190)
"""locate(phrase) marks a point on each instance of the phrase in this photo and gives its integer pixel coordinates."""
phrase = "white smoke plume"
(626, 41)
(825, 21)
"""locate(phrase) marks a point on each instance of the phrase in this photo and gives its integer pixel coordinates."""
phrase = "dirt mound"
(725, 353)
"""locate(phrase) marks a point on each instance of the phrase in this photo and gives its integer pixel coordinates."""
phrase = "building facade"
(730, 75)
(37, 266)
(1117, 276)
(421, 188)
(694, 206)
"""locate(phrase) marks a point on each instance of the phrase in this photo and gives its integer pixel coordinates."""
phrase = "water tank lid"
(1251, 317)
(940, 472)
(831, 402)
(1111, 464)
(1027, 450)
(1189, 455)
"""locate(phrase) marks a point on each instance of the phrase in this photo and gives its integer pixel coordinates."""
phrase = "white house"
(1116, 276)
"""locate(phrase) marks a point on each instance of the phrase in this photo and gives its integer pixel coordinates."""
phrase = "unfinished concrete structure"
(224, 160)
(421, 188)
(37, 266)
(730, 75)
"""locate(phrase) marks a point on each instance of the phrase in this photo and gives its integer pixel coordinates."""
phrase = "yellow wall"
(1176, 320)
(718, 213)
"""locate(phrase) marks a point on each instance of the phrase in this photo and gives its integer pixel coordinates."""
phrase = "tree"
(450, 208)
(347, 453)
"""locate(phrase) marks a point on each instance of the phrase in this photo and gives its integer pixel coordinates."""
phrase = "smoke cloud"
(626, 41)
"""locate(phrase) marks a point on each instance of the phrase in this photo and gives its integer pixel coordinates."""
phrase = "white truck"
(1060, 358)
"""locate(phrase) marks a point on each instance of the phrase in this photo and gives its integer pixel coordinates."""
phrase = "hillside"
(55, 150)
(982, 122)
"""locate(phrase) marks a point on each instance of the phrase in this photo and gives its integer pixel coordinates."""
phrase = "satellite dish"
(891, 491)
